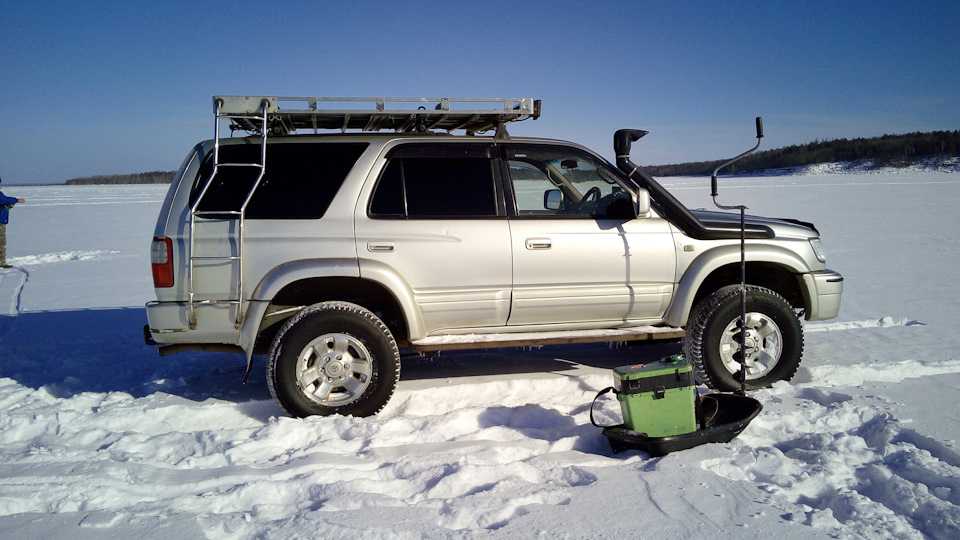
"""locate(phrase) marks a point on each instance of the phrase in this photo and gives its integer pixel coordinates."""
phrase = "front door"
(579, 255)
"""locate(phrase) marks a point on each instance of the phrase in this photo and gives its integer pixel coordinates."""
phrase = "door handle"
(380, 246)
(539, 243)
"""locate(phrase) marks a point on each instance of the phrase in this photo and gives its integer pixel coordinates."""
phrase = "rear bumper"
(169, 323)
(825, 288)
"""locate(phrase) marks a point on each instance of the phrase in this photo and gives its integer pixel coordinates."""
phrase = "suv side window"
(436, 182)
(558, 181)
(299, 182)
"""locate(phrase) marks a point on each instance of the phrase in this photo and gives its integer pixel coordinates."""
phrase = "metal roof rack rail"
(286, 115)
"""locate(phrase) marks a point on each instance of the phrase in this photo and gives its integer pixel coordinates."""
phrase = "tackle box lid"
(665, 366)
(666, 374)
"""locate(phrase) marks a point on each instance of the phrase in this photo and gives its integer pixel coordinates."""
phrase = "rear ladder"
(236, 261)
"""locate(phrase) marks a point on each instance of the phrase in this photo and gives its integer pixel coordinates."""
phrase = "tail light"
(161, 259)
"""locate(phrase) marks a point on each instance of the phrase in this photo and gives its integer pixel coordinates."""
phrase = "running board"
(564, 337)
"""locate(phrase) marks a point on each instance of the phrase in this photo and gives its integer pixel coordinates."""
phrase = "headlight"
(817, 246)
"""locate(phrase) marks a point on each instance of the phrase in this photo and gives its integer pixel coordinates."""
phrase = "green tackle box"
(657, 399)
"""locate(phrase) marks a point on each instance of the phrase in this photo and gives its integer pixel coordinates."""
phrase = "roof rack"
(288, 114)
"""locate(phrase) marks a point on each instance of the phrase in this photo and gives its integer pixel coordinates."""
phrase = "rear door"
(579, 255)
(436, 218)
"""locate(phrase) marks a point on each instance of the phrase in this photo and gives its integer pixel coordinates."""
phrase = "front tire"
(774, 338)
(333, 358)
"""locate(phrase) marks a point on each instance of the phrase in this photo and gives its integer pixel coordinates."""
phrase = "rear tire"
(774, 338)
(333, 358)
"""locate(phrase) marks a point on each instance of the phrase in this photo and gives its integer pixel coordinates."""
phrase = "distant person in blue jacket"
(6, 203)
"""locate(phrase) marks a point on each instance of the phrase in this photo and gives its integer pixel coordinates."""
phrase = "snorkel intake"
(673, 210)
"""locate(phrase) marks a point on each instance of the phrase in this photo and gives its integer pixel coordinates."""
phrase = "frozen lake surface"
(100, 436)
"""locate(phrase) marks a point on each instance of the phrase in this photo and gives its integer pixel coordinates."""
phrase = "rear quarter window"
(299, 182)
(437, 181)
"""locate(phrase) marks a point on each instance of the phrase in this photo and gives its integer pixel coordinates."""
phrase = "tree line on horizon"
(888, 150)
(152, 177)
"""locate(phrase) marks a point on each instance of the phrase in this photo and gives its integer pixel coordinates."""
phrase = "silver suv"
(334, 252)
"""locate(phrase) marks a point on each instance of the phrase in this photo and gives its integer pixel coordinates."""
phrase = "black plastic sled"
(725, 416)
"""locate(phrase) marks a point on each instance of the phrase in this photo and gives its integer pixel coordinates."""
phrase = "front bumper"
(825, 288)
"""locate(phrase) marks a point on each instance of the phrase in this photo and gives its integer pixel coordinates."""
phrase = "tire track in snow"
(67, 256)
(883, 322)
(23, 282)
(16, 291)
(857, 374)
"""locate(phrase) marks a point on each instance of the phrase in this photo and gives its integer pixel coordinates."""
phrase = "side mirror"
(643, 202)
(552, 199)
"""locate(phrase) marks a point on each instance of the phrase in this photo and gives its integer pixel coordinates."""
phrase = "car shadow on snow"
(102, 350)
(529, 360)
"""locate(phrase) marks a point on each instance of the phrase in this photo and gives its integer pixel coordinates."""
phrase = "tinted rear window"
(300, 180)
(415, 187)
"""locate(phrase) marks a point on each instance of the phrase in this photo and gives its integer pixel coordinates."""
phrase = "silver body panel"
(461, 276)
(584, 270)
(459, 271)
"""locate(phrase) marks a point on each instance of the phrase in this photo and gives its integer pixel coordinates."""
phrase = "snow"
(101, 437)
(865, 166)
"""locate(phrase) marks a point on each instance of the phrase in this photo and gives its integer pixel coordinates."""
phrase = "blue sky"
(120, 87)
